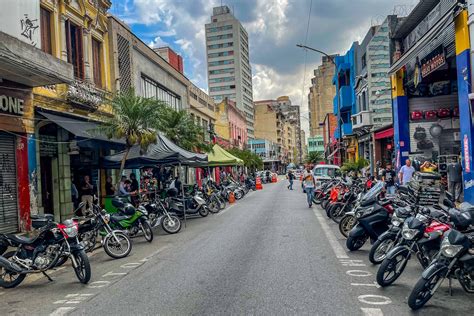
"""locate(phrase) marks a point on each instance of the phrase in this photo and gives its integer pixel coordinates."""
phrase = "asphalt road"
(268, 254)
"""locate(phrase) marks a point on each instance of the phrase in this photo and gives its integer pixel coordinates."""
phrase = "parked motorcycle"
(194, 204)
(158, 214)
(130, 219)
(455, 260)
(42, 252)
(116, 244)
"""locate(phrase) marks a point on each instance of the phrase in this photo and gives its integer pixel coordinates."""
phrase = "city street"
(267, 254)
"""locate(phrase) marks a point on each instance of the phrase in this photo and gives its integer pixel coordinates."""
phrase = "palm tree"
(314, 157)
(134, 119)
(181, 129)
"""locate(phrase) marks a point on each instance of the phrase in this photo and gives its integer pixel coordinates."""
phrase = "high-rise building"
(321, 94)
(228, 63)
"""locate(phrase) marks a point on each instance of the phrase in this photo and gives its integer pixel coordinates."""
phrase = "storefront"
(383, 145)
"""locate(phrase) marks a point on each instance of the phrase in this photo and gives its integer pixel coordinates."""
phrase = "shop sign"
(467, 160)
(433, 61)
(85, 93)
(11, 105)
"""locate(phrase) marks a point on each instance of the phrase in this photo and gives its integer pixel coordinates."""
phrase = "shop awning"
(23, 63)
(416, 49)
(384, 134)
(163, 152)
(80, 128)
(221, 157)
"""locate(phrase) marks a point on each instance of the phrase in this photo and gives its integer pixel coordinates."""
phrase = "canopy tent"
(164, 152)
(221, 157)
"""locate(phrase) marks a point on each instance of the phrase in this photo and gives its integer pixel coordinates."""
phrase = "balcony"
(345, 98)
(85, 94)
(363, 119)
(346, 129)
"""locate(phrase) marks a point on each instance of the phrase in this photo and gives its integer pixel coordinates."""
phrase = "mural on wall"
(21, 20)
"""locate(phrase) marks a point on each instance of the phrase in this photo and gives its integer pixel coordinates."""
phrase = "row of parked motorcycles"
(55, 243)
(440, 237)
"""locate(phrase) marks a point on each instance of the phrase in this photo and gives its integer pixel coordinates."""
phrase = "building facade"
(292, 115)
(228, 63)
(316, 144)
(321, 94)
(230, 124)
(202, 110)
(175, 60)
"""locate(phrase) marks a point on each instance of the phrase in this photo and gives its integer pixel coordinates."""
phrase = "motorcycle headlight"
(449, 250)
(409, 233)
(71, 231)
(396, 221)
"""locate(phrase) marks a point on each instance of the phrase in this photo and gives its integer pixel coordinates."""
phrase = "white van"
(323, 173)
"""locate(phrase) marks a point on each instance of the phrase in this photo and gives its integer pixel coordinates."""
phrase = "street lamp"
(337, 94)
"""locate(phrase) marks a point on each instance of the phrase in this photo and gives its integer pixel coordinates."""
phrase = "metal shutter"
(8, 185)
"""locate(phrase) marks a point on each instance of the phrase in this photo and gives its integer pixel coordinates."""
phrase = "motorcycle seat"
(21, 239)
(118, 217)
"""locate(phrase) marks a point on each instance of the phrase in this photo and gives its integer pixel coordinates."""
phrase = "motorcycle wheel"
(213, 207)
(119, 248)
(317, 199)
(336, 213)
(9, 279)
(171, 224)
(204, 211)
(238, 194)
(83, 269)
(324, 203)
(355, 243)
(387, 273)
(153, 218)
(380, 248)
(346, 224)
(421, 293)
(147, 230)
(222, 203)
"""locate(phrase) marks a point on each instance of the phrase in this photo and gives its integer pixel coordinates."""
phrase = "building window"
(96, 63)
(364, 61)
(152, 89)
(75, 54)
(46, 45)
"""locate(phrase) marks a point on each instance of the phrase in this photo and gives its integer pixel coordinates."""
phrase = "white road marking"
(368, 284)
(372, 311)
(374, 299)
(98, 284)
(352, 263)
(336, 247)
(112, 274)
(358, 273)
(61, 311)
(131, 265)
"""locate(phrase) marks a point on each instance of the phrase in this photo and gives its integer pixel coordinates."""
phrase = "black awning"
(80, 128)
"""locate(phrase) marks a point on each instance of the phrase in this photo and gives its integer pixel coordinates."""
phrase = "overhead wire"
(306, 52)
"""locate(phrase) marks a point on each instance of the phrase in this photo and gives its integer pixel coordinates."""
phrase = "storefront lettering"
(467, 160)
(433, 61)
(12, 105)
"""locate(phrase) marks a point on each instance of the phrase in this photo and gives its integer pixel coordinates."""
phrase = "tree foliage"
(251, 160)
(355, 166)
(314, 157)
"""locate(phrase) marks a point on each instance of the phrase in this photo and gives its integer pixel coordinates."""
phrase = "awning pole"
(182, 192)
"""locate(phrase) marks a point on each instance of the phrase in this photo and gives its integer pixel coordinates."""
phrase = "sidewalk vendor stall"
(219, 158)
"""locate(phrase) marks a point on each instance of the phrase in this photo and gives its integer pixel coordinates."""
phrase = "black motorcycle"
(54, 244)
(372, 218)
(158, 214)
(340, 208)
(391, 237)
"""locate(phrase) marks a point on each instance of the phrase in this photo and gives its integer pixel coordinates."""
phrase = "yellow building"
(67, 148)
(202, 109)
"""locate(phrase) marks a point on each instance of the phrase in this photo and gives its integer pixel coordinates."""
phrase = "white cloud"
(157, 42)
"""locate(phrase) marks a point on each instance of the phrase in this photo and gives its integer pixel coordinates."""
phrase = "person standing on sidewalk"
(290, 177)
(406, 172)
(309, 184)
(87, 192)
(388, 176)
(455, 179)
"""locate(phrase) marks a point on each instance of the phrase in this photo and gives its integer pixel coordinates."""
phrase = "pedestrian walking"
(309, 184)
(455, 179)
(406, 172)
(388, 176)
(291, 178)
(87, 192)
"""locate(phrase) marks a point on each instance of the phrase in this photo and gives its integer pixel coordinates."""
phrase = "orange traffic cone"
(274, 178)
(231, 197)
(258, 183)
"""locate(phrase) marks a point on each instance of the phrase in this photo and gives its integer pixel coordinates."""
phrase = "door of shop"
(46, 166)
(8, 185)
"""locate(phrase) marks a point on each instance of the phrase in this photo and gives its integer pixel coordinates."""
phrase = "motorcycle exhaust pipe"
(10, 266)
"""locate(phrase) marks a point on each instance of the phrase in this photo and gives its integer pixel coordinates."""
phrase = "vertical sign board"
(21, 19)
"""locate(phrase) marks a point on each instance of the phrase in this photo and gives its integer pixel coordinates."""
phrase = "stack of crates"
(426, 187)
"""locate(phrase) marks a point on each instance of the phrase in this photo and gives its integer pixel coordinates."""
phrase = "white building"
(228, 63)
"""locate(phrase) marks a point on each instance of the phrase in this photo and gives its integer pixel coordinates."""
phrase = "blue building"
(345, 99)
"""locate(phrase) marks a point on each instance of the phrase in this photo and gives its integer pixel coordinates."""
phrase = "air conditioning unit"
(457, 136)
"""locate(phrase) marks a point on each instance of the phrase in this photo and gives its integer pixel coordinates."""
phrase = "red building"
(330, 142)
(175, 60)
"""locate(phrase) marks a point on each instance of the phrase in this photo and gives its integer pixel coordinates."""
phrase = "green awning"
(221, 157)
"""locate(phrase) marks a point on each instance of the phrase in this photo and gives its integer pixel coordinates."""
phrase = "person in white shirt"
(309, 184)
(406, 172)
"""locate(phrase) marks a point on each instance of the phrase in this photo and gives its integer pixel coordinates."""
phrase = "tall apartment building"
(228, 63)
(321, 94)
(292, 115)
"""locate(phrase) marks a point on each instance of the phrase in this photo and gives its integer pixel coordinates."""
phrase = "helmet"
(118, 203)
(172, 192)
(129, 209)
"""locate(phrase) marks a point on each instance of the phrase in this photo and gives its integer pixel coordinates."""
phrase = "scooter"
(194, 204)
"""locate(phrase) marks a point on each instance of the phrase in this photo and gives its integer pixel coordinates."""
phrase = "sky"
(274, 27)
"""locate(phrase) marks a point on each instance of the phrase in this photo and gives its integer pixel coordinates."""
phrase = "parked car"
(323, 173)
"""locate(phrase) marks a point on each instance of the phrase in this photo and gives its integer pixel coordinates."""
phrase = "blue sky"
(274, 27)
